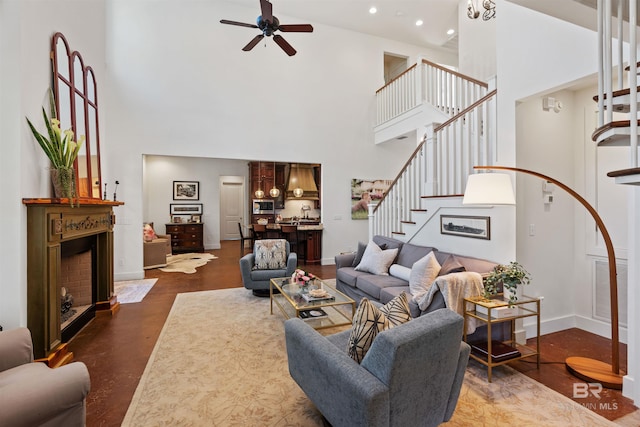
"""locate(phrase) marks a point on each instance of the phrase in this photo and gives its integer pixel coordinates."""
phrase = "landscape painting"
(364, 192)
(477, 227)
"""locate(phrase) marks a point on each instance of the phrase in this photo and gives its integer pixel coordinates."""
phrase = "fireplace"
(70, 251)
(77, 286)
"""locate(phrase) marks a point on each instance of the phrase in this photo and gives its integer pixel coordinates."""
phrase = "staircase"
(440, 165)
(611, 131)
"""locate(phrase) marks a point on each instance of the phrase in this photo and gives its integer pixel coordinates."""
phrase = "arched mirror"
(74, 88)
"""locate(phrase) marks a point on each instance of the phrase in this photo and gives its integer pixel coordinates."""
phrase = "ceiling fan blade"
(240, 24)
(284, 45)
(296, 28)
(253, 43)
(266, 8)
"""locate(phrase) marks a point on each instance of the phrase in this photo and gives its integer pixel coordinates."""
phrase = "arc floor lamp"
(496, 189)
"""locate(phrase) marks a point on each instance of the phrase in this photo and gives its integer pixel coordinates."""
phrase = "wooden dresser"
(186, 237)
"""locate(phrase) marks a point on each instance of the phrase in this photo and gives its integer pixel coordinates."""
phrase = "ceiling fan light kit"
(269, 24)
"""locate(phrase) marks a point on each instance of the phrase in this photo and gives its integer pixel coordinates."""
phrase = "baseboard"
(128, 275)
(597, 327)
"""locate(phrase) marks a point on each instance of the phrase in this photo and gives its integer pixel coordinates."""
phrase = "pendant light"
(259, 193)
(298, 192)
(274, 192)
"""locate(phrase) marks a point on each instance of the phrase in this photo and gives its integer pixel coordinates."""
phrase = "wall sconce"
(489, 9)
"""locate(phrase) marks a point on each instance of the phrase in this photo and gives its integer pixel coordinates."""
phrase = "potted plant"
(61, 150)
(510, 276)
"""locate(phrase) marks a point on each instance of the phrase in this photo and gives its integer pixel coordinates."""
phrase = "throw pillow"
(423, 273)
(369, 321)
(400, 271)
(397, 310)
(359, 253)
(270, 254)
(148, 233)
(375, 260)
(451, 265)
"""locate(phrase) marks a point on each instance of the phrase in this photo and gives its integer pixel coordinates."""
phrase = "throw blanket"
(454, 287)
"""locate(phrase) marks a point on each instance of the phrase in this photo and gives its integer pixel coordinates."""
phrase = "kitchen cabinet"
(186, 237)
(266, 175)
(314, 246)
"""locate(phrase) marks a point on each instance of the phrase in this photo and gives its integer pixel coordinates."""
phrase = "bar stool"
(243, 239)
(259, 231)
(290, 233)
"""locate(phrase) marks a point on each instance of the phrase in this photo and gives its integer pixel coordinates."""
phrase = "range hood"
(301, 175)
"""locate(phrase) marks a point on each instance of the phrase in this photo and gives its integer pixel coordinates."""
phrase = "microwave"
(263, 206)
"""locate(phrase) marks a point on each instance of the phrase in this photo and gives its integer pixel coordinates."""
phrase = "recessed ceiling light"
(373, 10)
(419, 22)
(451, 31)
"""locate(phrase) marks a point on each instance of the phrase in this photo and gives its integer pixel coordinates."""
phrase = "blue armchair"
(411, 375)
(258, 280)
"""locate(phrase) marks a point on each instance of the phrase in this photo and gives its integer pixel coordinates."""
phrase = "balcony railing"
(427, 82)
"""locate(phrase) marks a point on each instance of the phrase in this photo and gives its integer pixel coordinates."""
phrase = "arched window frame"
(70, 75)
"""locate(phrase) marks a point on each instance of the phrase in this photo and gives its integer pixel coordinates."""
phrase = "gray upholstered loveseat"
(411, 375)
(383, 288)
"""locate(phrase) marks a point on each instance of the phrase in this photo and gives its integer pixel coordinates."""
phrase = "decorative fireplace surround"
(51, 223)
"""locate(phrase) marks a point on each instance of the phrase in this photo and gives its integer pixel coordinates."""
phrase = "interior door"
(232, 206)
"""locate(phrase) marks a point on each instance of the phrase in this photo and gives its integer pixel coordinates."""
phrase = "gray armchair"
(258, 280)
(411, 375)
(34, 394)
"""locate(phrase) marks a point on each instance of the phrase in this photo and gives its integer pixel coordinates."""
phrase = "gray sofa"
(411, 375)
(380, 288)
(34, 394)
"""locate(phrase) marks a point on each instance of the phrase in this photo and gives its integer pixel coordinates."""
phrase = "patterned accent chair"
(271, 258)
(411, 375)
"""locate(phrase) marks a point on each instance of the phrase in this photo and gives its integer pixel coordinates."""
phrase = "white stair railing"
(427, 82)
(440, 165)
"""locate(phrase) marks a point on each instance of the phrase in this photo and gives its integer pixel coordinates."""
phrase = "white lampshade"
(489, 189)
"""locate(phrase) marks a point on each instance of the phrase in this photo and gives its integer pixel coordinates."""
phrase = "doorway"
(394, 65)
(232, 206)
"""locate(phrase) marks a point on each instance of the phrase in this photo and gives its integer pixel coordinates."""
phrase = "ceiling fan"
(269, 24)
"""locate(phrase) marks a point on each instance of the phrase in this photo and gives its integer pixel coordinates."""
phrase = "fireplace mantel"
(50, 223)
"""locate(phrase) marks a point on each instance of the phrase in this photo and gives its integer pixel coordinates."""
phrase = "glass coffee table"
(335, 310)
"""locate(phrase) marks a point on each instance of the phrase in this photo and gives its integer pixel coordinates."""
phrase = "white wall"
(191, 91)
(26, 28)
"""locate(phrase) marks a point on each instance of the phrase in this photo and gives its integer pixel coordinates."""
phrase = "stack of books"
(499, 351)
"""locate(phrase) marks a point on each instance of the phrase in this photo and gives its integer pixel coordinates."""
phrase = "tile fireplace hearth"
(59, 235)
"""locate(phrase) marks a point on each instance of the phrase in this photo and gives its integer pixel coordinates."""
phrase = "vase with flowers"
(302, 278)
(61, 150)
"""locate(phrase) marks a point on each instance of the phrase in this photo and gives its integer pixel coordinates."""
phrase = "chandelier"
(259, 193)
(274, 192)
(489, 9)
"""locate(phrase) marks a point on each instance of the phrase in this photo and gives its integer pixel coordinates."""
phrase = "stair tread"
(624, 172)
(615, 93)
(408, 222)
(612, 125)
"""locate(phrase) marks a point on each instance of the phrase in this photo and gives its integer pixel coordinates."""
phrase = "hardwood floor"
(116, 348)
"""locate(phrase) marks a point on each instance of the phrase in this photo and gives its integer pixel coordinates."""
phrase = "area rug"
(130, 291)
(186, 263)
(220, 360)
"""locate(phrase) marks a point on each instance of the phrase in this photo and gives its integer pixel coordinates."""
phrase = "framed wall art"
(185, 209)
(478, 227)
(186, 190)
(364, 192)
